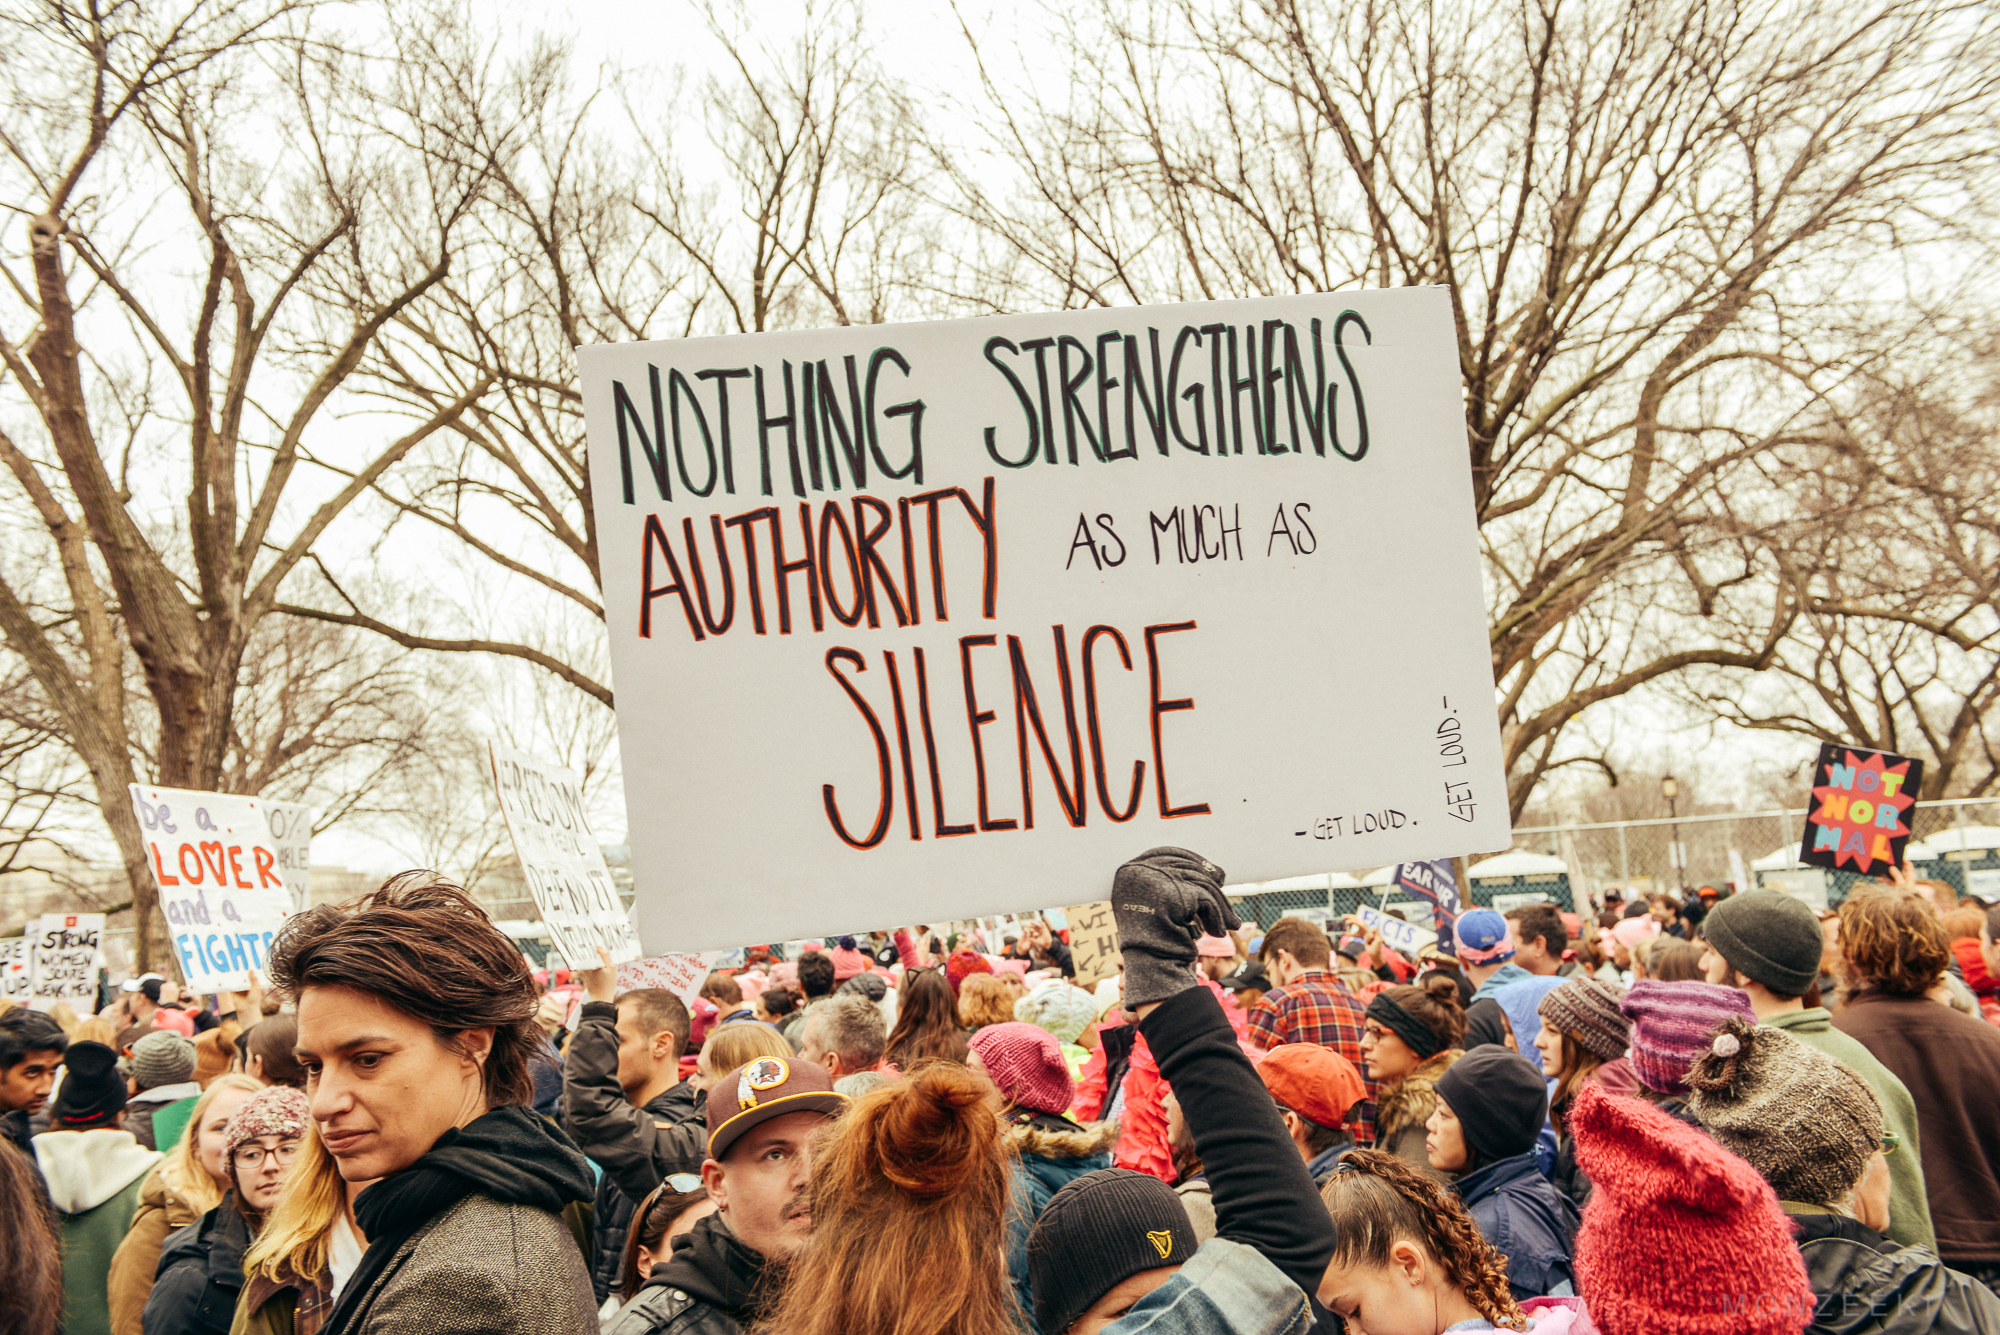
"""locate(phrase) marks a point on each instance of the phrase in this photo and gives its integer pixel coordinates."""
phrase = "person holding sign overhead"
(416, 1028)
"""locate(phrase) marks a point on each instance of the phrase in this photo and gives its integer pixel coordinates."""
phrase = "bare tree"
(1639, 211)
(800, 208)
(215, 240)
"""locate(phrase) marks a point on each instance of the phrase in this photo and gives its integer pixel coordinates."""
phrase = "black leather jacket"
(611, 1213)
(711, 1285)
(1868, 1285)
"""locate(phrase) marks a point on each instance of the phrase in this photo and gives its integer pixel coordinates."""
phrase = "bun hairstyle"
(1376, 1200)
(1435, 1002)
(421, 945)
(914, 1179)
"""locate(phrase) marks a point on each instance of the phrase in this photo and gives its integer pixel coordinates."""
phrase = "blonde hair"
(739, 1044)
(94, 1030)
(181, 1170)
(298, 1232)
(63, 1014)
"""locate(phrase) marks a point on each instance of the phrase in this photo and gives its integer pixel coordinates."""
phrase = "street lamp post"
(1670, 789)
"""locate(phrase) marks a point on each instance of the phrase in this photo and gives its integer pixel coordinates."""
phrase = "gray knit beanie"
(1805, 1121)
(162, 1058)
(1768, 936)
(1587, 1010)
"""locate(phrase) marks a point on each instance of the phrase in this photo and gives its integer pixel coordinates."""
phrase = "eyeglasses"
(252, 1156)
(1891, 1142)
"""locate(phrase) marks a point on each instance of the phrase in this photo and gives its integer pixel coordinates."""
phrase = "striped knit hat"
(1587, 1011)
(1672, 1024)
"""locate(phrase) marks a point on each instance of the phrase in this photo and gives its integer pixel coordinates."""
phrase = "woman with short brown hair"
(416, 1031)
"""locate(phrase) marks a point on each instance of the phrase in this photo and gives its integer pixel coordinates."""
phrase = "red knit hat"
(961, 964)
(1680, 1237)
(1027, 1066)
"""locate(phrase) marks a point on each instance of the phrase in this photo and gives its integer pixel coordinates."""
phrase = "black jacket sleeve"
(1264, 1197)
(633, 1147)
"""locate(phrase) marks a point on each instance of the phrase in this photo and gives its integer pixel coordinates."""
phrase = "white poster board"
(561, 860)
(291, 826)
(681, 975)
(16, 980)
(220, 886)
(62, 960)
(1808, 884)
(1983, 882)
(954, 618)
(1405, 938)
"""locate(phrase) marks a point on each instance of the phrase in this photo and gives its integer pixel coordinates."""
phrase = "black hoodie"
(712, 1285)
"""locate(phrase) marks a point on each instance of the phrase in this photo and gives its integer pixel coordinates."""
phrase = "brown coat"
(1403, 1111)
(1951, 1065)
(162, 1210)
(483, 1268)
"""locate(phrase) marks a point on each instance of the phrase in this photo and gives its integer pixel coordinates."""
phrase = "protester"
(982, 1000)
(201, 1266)
(1248, 984)
(31, 1052)
(1412, 1036)
(726, 1049)
(1485, 950)
(182, 1187)
(1681, 1237)
(1538, 936)
(1812, 1127)
(308, 1250)
(1066, 1011)
(1046, 1151)
(1771, 946)
(727, 994)
(1308, 1006)
(848, 961)
(1490, 1109)
(845, 1035)
(1047, 950)
(416, 1025)
(1672, 1024)
(1583, 1041)
(162, 1073)
(1409, 1259)
(818, 975)
(775, 1006)
(927, 1027)
(675, 1207)
(94, 1171)
(1894, 952)
(268, 1048)
(762, 1127)
(1314, 1088)
(1190, 1181)
(1114, 1250)
(31, 1271)
(634, 1038)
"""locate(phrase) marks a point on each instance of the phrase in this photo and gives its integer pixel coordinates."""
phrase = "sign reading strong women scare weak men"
(222, 888)
(561, 860)
(914, 620)
(62, 959)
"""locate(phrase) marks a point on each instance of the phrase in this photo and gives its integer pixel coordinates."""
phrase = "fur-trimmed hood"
(1412, 1102)
(1083, 1141)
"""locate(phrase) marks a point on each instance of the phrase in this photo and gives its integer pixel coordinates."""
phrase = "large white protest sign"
(15, 978)
(561, 860)
(291, 826)
(953, 618)
(221, 888)
(62, 959)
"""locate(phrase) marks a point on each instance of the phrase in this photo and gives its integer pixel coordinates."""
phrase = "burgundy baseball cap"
(765, 1088)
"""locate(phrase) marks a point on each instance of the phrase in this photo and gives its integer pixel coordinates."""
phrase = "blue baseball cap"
(1482, 938)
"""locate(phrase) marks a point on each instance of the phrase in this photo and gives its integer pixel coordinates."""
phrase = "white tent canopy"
(1507, 866)
(1954, 839)
(1321, 880)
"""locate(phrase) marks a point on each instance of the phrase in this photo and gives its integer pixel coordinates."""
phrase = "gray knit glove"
(1163, 900)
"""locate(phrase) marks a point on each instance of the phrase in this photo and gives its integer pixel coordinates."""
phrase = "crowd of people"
(1729, 1114)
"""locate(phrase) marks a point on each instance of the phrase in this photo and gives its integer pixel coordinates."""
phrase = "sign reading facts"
(1861, 806)
(222, 889)
(939, 619)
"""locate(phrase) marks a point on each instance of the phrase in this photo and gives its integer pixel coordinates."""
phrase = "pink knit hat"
(1215, 947)
(1026, 1065)
(276, 1110)
(1672, 1024)
(1680, 1237)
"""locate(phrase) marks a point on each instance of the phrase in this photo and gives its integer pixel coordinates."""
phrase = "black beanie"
(92, 1091)
(1098, 1232)
(1500, 1099)
(1768, 936)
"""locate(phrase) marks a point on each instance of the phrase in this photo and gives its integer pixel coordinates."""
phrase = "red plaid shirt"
(1317, 1009)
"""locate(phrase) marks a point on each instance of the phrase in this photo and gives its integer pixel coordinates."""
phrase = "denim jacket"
(1227, 1289)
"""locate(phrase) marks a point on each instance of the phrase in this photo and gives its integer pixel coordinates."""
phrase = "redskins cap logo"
(760, 1075)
